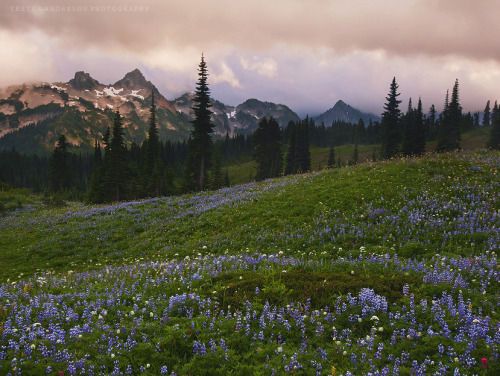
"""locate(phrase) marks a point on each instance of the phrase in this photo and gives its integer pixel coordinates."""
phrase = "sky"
(304, 54)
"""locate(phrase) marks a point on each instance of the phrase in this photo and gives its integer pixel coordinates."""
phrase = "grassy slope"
(244, 172)
(332, 222)
(231, 219)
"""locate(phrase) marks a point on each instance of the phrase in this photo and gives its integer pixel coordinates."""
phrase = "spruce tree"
(494, 139)
(60, 169)
(449, 130)
(409, 124)
(486, 116)
(95, 193)
(302, 153)
(419, 130)
(200, 142)
(391, 122)
(430, 123)
(217, 179)
(116, 164)
(267, 149)
(153, 172)
(290, 166)
(331, 155)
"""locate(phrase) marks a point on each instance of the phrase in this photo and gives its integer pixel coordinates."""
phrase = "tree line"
(116, 172)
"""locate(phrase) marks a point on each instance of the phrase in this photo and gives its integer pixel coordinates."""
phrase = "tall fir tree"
(391, 123)
(449, 130)
(302, 153)
(298, 157)
(409, 125)
(419, 130)
(60, 169)
(290, 167)
(486, 115)
(116, 164)
(153, 171)
(216, 177)
(267, 149)
(331, 155)
(95, 192)
(430, 123)
(494, 138)
(200, 141)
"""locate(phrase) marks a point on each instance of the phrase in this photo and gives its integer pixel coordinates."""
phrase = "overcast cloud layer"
(306, 55)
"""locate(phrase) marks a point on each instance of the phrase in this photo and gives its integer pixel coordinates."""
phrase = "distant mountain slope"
(82, 108)
(344, 112)
(241, 119)
(32, 116)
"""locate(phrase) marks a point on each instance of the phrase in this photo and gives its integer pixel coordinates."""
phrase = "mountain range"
(32, 116)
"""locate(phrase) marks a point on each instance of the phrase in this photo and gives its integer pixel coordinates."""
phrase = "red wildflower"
(484, 362)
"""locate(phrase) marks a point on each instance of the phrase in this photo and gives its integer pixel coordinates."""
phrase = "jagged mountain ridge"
(32, 116)
(240, 119)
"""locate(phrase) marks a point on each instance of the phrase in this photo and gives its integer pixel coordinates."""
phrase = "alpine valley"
(32, 116)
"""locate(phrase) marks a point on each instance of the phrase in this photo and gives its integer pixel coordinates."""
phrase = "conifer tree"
(216, 175)
(494, 138)
(302, 153)
(430, 123)
(60, 170)
(486, 116)
(267, 149)
(290, 166)
(449, 129)
(116, 164)
(419, 130)
(200, 142)
(355, 154)
(331, 155)
(409, 125)
(391, 122)
(153, 174)
(95, 193)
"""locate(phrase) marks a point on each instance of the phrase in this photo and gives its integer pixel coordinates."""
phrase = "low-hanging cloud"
(319, 46)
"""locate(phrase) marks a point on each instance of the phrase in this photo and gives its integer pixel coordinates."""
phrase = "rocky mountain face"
(32, 116)
(240, 119)
(344, 112)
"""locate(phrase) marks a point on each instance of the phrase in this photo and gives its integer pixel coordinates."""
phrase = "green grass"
(277, 269)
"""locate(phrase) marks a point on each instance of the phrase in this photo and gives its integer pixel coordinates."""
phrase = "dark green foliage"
(267, 151)
(355, 154)
(200, 142)
(299, 285)
(216, 178)
(292, 149)
(116, 164)
(449, 129)
(430, 124)
(60, 169)
(414, 131)
(153, 171)
(494, 139)
(486, 116)
(331, 156)
(298, 157)
(391, 123)
(419, 131)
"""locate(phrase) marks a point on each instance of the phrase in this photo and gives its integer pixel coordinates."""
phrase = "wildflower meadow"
(385, 268)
